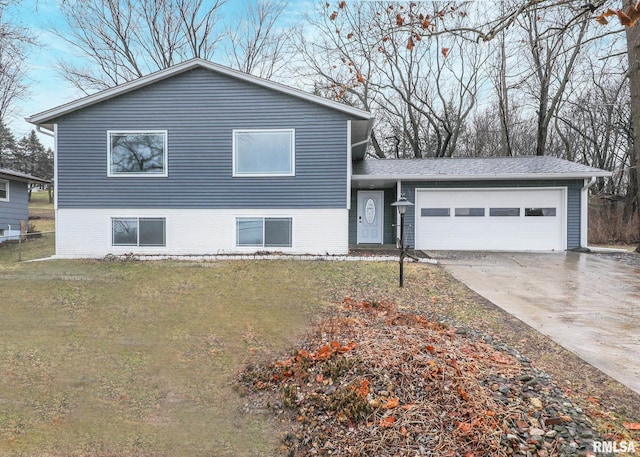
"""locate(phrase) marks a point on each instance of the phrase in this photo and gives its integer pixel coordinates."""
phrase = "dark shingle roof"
(473, 168)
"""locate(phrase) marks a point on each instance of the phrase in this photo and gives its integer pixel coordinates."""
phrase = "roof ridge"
(44, 116)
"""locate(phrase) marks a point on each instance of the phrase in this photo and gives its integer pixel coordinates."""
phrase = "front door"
(370, 216)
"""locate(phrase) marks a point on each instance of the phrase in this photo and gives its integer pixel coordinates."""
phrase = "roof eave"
(45, 117)
(28, 179)
(487, 177)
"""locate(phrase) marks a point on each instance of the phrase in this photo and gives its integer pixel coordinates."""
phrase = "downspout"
(349, 164)
(584, 211)
(398, 195)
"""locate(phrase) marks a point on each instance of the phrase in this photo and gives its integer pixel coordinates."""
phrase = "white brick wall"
(86, 233)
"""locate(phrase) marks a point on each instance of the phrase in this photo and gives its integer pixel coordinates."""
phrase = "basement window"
(268, 232)
(138, 231)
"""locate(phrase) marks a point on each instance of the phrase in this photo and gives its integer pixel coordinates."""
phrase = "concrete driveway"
(587, 304)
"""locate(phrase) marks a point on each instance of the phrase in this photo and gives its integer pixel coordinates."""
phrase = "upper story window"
(137, 153)
(264, 152)
(4, 190)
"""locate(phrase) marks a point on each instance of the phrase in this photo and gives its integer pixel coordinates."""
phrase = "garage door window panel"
(435, 212)
(540, 212)
(469, 212)
(504, 212)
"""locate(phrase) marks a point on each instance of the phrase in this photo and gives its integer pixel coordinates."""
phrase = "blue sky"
(47, 87)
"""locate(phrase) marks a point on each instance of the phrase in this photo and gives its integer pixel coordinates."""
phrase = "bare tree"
(340, 56)
(553, 50)
(633, 54)
(260, 39)
(126, 39)
(15, 41)
(422, 94)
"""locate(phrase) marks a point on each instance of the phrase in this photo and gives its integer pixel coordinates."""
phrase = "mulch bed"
(373, 380)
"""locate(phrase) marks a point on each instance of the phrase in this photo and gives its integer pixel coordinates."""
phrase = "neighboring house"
(202, 159)
(14, 201)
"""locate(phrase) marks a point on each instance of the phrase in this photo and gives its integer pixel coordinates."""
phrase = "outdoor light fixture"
(402, 204)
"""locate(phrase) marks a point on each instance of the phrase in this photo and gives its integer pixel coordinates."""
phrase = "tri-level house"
(200, 159)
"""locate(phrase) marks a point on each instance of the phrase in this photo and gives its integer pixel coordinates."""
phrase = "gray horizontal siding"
(199, 109)
(16, 209)
(573, 204)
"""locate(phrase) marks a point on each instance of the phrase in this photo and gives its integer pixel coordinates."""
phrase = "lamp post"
(402, 204)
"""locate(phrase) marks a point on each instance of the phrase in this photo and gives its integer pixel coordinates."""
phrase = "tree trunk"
(633, 53)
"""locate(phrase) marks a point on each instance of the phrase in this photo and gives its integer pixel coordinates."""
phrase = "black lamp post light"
(402, 204)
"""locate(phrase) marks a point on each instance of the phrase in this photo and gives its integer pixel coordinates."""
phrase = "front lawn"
(130, 358)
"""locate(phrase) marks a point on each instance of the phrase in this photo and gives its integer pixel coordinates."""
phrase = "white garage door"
(491, 219)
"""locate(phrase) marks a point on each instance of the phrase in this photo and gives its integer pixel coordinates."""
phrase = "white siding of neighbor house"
(87, 232)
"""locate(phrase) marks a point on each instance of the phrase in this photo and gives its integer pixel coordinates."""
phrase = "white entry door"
(370, 216)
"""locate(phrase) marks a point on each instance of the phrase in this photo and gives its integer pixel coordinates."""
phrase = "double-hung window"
(138, 231)
(137, 153)
(4, 190)
(265, 232)
(264, 152)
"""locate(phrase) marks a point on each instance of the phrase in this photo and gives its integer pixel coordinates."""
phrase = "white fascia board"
(44, 116)
(479, 177)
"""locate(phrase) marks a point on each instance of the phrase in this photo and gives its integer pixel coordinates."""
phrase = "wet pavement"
(588, 304)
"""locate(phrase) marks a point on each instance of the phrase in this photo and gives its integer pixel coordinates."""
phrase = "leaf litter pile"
(373, 380)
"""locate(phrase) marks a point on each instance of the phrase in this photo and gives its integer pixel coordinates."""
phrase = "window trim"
(234, 171)
(263, 245)
(165, 155)
(6, 182)
(137, 245)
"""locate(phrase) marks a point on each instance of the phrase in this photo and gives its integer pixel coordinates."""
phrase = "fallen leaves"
(391, 403)
(387, 421)
(398, 376)
(501, 358)
(631, 425)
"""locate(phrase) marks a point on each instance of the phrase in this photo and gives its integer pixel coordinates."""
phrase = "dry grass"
(136, 359)
(607, 225)
(41, 212)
